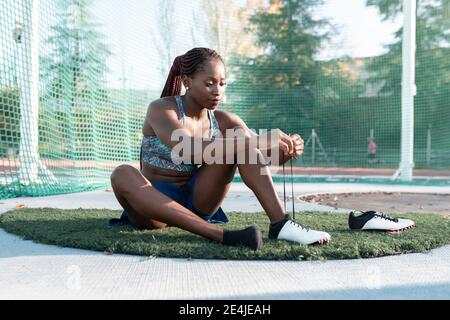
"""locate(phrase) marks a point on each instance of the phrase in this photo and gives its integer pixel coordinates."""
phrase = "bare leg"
(211, 186)
(263, 188)
(138, 193)
(214, 181)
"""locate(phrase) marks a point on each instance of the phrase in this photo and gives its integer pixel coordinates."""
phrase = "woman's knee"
(123, 176)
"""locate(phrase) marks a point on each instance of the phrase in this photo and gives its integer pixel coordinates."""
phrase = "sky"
(132, 32)
(128, 23)
(363, 33)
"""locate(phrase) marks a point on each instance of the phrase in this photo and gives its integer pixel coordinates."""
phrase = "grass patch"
(88, 229)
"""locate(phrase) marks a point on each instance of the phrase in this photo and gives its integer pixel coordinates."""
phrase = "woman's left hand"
(298, 145)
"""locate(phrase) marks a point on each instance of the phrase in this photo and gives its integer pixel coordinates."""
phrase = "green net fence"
(77, 76)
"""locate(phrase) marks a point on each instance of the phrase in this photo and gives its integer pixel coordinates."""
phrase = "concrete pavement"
(35, 271)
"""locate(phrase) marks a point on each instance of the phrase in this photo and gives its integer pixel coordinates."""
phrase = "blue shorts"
(184, 196)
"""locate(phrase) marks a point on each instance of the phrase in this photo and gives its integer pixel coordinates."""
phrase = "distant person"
(371, 151)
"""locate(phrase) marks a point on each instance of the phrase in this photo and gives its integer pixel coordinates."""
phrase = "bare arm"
(163, 119)
(189, 148)
(287, 147)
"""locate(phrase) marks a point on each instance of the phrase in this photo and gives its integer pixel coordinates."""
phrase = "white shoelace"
(292, 189)
(298, 225)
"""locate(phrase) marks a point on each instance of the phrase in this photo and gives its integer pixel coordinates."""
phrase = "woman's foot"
(290, 230)
(249, 237)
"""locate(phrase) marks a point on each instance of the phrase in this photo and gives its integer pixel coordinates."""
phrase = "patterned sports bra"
(158, 154)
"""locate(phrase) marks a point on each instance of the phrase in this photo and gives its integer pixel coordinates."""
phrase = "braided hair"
(187, 64)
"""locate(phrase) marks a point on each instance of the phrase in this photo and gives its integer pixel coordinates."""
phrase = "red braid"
(173, 82)
(187, 64)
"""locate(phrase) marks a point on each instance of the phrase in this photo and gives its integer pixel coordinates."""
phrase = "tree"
(164, 36)
(432, 33)
(432, 66)
(225, 18)
(73, 74)
(281, 81)
(76, 65)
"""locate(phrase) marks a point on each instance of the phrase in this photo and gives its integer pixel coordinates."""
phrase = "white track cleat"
(295, 232)
(372, 220)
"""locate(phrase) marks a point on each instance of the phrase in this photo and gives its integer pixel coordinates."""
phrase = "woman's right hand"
(277, 139)
(285, 143)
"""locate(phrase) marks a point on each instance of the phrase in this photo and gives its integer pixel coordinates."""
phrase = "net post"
(28, 81)
(405, 171)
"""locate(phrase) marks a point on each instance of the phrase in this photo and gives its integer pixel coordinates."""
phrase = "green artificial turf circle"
(88, 229)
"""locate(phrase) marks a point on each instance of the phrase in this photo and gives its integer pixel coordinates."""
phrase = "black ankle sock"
(250, 237)
(275, 228)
